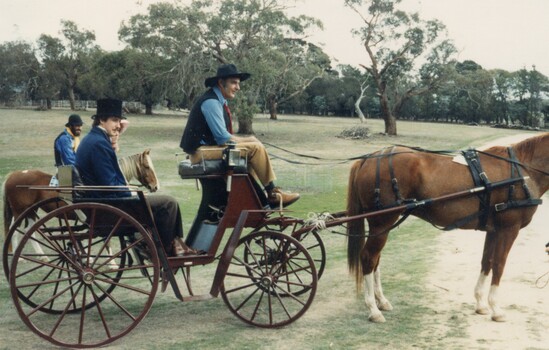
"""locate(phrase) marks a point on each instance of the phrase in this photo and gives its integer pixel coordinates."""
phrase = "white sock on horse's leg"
(370, 299)
(382, 302)
(497, 313)
(482, 305)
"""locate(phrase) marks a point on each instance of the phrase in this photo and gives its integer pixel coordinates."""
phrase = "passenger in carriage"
(66, 143)
(209, 128)
(98, 166)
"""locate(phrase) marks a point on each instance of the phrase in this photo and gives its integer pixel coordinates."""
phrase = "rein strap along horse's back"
(399, 175)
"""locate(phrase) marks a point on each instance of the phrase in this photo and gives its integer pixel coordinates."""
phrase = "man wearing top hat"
(97, 164)
(209, 128)
(66, 143)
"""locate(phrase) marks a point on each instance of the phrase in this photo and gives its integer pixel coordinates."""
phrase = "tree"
(65, 59)
(18, 70)
(394, 42)
(199, 37)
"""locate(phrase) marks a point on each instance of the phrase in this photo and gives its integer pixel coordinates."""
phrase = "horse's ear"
(147, 151)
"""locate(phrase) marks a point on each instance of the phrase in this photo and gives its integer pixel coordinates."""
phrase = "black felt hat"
(226, 71)
(109, 107)
(74, 119)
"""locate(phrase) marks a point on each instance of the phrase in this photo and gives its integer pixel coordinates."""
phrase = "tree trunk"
(148, 109)
(72, 98)
(273, 108)
(245, 126)
(388, 117)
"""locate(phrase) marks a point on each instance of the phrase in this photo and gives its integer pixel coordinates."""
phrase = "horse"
(387, 178)
(18, 197)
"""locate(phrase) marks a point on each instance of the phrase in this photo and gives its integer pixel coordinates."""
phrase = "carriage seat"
(206, 168)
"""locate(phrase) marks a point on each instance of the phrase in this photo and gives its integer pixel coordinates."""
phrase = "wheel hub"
(88, 277)
(266, 281)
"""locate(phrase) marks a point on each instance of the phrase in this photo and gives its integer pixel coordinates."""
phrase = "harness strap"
(377, 190)
(394, 181)
(480, 179)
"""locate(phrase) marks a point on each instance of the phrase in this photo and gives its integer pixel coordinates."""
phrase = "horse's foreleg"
(482, 305)
(486, 266)
(382, 302)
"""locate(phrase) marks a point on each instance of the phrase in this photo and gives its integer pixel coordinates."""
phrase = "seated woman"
(98, 166)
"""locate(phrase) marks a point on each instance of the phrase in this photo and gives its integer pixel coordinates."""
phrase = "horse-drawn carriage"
(100, 268)
(85, 272)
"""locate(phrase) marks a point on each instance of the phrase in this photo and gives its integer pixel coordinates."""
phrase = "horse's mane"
(525, 149)
(128, 166)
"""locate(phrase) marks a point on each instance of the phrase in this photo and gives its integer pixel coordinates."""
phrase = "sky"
(506, 34)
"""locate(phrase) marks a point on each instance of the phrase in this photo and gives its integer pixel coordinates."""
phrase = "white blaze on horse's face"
(150, 173)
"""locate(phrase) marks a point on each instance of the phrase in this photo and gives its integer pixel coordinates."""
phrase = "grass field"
(337, 319)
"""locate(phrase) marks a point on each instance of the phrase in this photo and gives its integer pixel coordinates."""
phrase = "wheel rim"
(271, 280)
(98, 295)
(19, 227)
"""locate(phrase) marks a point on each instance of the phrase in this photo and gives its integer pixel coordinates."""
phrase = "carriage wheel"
(311, 240)
(261, 289)
(37, 247)
(80, 278)
(19, 227)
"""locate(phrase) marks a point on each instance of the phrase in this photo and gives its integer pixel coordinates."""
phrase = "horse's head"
(147, 174)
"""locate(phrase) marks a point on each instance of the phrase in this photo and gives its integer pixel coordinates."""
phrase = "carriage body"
(100, 268)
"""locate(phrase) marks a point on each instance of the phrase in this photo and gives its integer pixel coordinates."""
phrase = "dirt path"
(525, 302)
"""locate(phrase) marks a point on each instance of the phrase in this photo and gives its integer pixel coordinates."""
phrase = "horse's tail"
(8, 213)
(355, 228)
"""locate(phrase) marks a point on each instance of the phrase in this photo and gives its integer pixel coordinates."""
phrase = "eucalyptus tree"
(19, 70)
(528, 89)
(395, 42)
(66, 58)
(253, 34)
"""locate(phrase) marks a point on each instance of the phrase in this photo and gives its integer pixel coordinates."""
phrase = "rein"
(382, 155)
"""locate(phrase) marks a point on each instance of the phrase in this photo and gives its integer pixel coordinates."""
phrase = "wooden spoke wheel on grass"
(310, 240)
(271, 280)
(89, 293)
(19, 227)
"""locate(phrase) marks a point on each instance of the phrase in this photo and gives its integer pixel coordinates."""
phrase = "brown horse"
(18, 197)
(426, 175)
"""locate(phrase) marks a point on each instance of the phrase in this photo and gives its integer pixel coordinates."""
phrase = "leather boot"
(278, 198)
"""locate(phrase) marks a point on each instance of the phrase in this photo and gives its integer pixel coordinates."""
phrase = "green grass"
(337, 319)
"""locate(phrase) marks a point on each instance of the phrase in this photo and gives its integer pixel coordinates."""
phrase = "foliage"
(65, 59)
(395, 41)
(18, 70)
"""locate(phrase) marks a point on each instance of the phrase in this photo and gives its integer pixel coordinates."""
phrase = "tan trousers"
(259, 163)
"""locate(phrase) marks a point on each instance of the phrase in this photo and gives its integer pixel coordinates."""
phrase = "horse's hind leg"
(486, 266)
(371, 254)
(504, 240)
(382, 302)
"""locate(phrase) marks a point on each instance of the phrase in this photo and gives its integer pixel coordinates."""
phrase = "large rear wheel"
(90, 284)
(271, 280)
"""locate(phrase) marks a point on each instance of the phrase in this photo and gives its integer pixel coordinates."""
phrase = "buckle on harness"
(500, 206)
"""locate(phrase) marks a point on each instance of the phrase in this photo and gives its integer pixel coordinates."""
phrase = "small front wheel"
(271, 280)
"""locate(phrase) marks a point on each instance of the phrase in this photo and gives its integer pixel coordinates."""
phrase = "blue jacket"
(97, 164)
(63, 149)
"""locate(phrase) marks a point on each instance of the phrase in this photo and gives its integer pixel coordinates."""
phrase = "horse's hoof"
(44, 259)
(376, 318)
(482, 311)
(386, 306)
(498, 318)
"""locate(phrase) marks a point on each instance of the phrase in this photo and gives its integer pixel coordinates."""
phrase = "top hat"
(74, 119)
(109, 107)
(226, 71)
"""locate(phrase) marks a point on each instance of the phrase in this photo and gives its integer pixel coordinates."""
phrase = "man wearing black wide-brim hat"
(210, 128)
(97, 164)
(66, 143)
